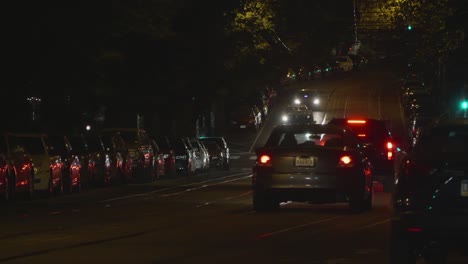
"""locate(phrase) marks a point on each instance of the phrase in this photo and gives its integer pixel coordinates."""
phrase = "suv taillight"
(389, 146)
(264, 160)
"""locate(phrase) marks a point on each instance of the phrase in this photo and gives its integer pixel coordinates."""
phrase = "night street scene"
(240, 131)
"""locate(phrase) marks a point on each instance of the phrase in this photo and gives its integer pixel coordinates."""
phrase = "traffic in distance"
(303, 159)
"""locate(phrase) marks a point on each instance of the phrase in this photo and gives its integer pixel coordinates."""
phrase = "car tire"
(401, 250)
(264, 202)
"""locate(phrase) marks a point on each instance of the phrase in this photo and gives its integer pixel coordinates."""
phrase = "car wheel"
(401, 251)
(263, 202)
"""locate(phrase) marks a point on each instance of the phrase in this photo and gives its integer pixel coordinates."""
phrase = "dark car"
(118, 163)
(159, 160)
(224, 147)
(168, 154)
(184, 162)
(138, 147)
(312, 163)
(80, 148)
(215, 154)
(16, 170)
(431, 196)
(309, 97)
(71, 170)
(375, 135)
(245, 117)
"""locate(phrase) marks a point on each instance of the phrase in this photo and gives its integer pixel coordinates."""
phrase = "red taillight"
(264, 159)
(389, 150)
(389, 145)
(361, 135)
(414, 230)
(345, 161)
(356, 121)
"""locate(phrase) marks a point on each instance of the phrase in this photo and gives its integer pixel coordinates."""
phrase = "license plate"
(464, 188)
(242, 126)
(305, 161)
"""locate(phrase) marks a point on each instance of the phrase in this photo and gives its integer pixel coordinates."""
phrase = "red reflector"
(345, 159)
(414, 229)
(389, 145)
(264, 159)
(354, 121)
(361, 135)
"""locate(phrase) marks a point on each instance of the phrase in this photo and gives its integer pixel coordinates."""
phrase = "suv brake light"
(264, 160)
(356, 121)
(345, 162)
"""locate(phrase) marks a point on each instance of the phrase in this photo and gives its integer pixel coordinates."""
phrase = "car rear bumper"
(323, 187)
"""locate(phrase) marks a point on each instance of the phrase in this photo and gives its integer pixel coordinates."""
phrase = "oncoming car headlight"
(284, 118)
(297, 101)
(316, 101)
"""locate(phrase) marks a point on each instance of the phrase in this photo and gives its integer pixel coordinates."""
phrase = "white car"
(345, 63)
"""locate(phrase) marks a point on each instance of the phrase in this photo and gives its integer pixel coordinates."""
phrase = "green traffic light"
(409, 27)
(464, 105)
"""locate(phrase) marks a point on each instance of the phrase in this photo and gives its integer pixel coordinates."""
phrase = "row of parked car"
(33, 163)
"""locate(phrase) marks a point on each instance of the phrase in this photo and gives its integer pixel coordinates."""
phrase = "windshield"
(305, 137)
(32, 145)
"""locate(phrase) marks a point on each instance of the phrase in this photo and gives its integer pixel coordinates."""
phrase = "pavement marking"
(256, 138)
(266, 235)
(374, 224)
(204, 186)
(324, 118)
(234, 157)
(223, 199)
(166, 189)
(252, 157)
(402, 114)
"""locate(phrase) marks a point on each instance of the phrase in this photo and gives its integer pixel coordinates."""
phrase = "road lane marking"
(374, 224)
(204, 186)
(345, 107)
(223, 199)
(266, 235)
(169, 188)
(256, 138)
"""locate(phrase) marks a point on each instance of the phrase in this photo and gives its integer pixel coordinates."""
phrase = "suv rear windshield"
(444, 140)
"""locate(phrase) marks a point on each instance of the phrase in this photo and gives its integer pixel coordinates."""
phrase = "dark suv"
(376, 136)
(431, 196)
(224, 147)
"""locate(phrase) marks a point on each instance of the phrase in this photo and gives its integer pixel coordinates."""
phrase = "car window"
(303, 137)
(443, 140)
(32, 145)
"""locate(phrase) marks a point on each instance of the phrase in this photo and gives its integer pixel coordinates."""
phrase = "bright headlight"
(297, 101)
(316, 101)
(284, 118)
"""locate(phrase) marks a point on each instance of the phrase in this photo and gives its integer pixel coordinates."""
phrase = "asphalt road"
(208, 218)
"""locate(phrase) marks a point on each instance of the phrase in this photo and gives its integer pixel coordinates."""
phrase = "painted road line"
(374, 224)
(266, 235)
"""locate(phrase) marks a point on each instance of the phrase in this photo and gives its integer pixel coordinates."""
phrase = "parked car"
(196, 157)
(430, 200)
(224, 147)
(16, 170)
(48, 168)
(81, 148)
(341, 171)
(184, 160)
(169, 155)
(106, 161)
(345, 63)
(200, 149)
(158, 161)
(71, 169)
(245, 117)
(137, 144)
(215, 154)
(118, 160)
